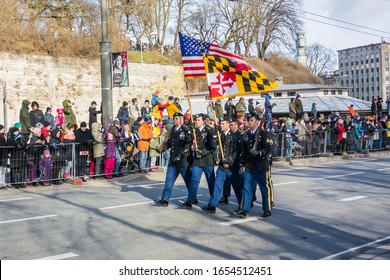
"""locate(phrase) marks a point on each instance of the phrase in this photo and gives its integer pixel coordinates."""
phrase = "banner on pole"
(120, 74)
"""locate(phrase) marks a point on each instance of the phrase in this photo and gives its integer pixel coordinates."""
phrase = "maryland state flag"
(227, 78)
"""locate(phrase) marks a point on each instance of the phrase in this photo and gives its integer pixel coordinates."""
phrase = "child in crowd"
(45, 168)
(60, 119)
(110, 156)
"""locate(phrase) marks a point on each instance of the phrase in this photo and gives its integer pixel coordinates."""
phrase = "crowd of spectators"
(46, 148)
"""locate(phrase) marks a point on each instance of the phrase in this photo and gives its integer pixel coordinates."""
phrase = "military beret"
(199, 116)
(177, 114)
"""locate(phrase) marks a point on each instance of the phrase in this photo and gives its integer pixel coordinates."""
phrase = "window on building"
(291, 93)
(326, 92)
(340, 92)
(333, 92)
(278, 94)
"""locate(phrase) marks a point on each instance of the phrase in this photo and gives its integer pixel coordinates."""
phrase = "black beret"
(199, 116)
(177, 114)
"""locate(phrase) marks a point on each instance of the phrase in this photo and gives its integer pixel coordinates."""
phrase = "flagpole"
(191, 116)
(218, 133)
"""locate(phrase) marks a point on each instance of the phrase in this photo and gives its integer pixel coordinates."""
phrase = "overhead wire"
(330, 18)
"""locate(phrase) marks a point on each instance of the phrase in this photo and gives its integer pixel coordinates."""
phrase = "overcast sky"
(370, 13)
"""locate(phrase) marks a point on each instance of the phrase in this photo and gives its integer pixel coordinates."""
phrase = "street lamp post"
(106, 66)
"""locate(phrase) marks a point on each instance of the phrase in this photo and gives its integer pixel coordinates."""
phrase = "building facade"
(365, 70)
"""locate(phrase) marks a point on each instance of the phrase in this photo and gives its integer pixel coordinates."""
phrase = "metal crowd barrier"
(26, 165)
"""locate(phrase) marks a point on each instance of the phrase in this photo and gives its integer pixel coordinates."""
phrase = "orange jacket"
(146, 133)
(351, 111)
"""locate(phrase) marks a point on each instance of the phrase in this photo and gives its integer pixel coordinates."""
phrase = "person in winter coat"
(299, 106)
(154, 143)
(98, 147)
(268, 111)
(240, 106)
(290, 131)
(69, 140)
(60, 118)
(3, 157)
(145, 110)
(24, 119)
(49, 117)
(341, 136)
(45, 168)
(309, 137)
(218, 109)
(388, 106)
(123, 113)
(36, 114)
(57, 151)
(146, 133)
(292, 111)
(370, 130)
(34, 151)
(18, 158)
(379, 107)
(230, 109)
(172, 108)
(251, 107)
(93, 112)
(109, 164)
(70, 116)
(374, 108)
(134, 111)
(116, 131)
(314, 110)
(84, 140)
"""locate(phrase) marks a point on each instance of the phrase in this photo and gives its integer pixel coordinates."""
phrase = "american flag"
(191, 51)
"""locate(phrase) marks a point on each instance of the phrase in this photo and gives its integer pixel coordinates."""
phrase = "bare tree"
(320, 59)
(279, 25)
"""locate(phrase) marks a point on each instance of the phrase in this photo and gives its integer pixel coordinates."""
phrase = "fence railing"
(31, 165)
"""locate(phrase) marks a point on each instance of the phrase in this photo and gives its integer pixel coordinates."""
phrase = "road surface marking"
(355, 248)
(353, 198)
(337, 176)
(286, 183)
(59, 257)
(240, 221)
(139, 203)
(383, 169)
(14, 199)
(27, 219)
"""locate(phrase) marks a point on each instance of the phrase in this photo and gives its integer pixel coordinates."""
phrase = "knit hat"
(267, 97)
(289, 121)
(157, 91)
(46, 152)
(17, 125)
(340, 121)
(39, 125)
(83, 124)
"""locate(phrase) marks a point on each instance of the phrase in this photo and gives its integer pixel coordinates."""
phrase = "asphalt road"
(334, 210)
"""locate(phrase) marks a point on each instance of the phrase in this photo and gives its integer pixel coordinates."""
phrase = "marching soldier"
(256, 159)
(236, 178)
(178, 140)
(230, 148)
(205, 141)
